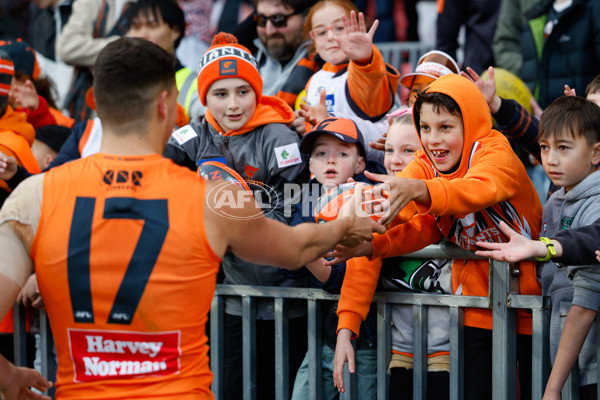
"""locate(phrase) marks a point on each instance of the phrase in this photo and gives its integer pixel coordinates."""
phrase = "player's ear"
(596, 154)
(162, 106)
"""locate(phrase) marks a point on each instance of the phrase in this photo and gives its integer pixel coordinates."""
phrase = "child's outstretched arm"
(357, 43)
(577, 325)
(517, 249)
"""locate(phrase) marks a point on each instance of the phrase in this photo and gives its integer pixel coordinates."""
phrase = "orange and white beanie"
(7, 70)
(226, 58)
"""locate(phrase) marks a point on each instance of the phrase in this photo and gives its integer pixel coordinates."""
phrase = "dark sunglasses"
(278, 20)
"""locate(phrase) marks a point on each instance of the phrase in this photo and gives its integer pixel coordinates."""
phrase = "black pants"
(478, 364)
(265, 356)
(401, 384)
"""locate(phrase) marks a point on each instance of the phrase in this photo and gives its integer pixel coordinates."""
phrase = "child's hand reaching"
(569, 91)
(23, 94)
(357, 43)
(314, 114)
(487, 88)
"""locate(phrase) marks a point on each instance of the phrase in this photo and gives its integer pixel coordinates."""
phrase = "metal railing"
(501, 300)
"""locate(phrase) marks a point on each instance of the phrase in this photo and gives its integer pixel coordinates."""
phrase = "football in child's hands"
(330, 203)
(216, 171)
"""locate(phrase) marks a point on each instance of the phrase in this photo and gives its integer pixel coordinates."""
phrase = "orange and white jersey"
(127, 276)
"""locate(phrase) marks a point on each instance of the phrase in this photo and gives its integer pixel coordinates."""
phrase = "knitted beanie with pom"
(227, 59)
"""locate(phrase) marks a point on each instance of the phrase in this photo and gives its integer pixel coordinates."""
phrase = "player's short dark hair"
(128, 75)
(169, 11)
(571, 115)
(439, 101)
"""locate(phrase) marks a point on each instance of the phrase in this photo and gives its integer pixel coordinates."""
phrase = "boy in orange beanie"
(249, 132)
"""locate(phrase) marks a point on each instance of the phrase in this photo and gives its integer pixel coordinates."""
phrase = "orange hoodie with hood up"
(16, 138)
(489, 185)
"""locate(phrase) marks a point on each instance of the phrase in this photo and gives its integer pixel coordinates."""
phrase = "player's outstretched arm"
(244, 231)
(517, 249)
(16, 382)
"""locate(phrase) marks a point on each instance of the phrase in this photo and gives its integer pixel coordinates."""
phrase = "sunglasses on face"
(277, 20)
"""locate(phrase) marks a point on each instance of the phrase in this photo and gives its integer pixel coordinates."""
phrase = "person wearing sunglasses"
(282, 54)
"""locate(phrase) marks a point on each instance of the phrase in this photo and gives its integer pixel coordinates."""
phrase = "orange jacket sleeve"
(357, 292)
(373, 86)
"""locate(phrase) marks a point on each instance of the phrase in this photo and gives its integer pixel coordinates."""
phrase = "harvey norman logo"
(227, 51)
(99, 355)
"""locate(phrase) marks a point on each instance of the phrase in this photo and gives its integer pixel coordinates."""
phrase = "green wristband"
(550, 247)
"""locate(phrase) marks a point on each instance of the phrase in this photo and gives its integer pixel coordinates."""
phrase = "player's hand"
(517, 249)
(361, 224)
(399, 192)
(8, 166)
(356, 42)
(569, 91)
(30, 295)
(343, 352)
(299, 124)
(343, 253)
(598, 255)
(314, 114)
(21, 382)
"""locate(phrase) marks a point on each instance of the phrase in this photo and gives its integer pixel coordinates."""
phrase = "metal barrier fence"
(502, 300)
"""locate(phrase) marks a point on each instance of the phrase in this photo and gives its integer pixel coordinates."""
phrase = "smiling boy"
(469, 178)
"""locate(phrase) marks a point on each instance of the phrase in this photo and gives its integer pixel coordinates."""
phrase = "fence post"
(19, 335)
(540, 363)
(47, 351)
(249, 347)
(384, 347)
(504, 336)
(217, 347)
(420, 324)
(457, 359)
(315, 374)
(282, 342)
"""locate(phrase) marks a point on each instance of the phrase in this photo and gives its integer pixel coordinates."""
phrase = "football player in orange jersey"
(138, 229)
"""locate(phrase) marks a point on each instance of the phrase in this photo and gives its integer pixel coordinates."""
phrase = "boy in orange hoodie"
(468, 178)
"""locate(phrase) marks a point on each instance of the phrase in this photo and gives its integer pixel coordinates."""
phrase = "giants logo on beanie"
(227, 59)
(7, 70)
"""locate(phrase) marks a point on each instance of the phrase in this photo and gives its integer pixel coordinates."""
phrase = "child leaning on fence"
(465, 181)
(570, 151)
(410, 275)
(337, 153)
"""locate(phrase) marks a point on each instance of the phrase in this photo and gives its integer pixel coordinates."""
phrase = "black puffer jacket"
(570, 54)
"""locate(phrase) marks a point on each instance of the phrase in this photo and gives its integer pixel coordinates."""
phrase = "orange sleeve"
(357, 292)
(373, 86)
(418, 232)
(492, 178)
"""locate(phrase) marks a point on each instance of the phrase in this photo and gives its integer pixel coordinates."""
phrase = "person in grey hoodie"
(570, 150)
